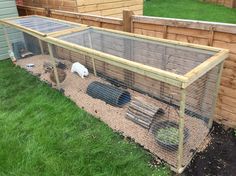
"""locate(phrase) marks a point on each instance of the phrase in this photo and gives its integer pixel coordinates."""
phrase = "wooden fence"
(205, 33)
(112, 8)
(227, 3)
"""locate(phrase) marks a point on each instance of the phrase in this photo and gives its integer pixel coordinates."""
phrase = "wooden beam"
(54, 65)
(181, 130)
(206, 66)
(93, 60)
(41, 46)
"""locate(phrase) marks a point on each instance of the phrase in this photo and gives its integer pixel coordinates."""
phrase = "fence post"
(47, 12)
(127, 21)
(234, 3)
(128, 27)
(211, 36)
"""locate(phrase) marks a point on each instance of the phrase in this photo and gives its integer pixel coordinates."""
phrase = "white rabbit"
(80, 69)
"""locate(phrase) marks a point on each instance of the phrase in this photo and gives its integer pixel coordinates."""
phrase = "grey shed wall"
(7, 10)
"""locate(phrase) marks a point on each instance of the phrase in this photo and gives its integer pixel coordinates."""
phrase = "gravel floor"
(75, 89)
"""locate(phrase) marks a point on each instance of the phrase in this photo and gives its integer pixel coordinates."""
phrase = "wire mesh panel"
(42, 24)
(164, 56)
(162, 128)
(22, 44)
(31, 53)
(200, 95)
(175, 119)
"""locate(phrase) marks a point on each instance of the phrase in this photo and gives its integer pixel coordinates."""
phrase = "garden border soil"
(219, 158)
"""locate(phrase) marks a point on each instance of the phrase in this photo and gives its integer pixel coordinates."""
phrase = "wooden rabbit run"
(179, 77)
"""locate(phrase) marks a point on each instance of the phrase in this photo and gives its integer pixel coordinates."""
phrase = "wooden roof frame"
(181, 81)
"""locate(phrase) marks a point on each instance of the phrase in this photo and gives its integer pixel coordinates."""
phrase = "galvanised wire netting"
(172, 58)
(41, 24)
(199, 105)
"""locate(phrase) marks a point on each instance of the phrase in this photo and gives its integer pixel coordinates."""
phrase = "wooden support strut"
(41, 46)
(93, 60)
(54, 65)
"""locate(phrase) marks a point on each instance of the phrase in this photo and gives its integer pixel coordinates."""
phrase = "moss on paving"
(44, 133)
(190, 9)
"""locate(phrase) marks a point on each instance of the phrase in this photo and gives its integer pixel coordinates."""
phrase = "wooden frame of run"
(180, 81)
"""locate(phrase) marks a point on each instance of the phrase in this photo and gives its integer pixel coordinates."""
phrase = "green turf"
(44, 133)
(189, 9)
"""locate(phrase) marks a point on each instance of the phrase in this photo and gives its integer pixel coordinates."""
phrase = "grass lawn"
(189, 9)
(44, 133)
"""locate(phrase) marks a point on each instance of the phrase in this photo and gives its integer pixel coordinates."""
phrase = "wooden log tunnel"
(142, 113)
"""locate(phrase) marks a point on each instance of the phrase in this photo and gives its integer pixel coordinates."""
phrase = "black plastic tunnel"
(108, 93)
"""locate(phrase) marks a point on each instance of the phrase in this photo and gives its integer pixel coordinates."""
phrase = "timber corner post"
(214, 104)
(181, 130)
